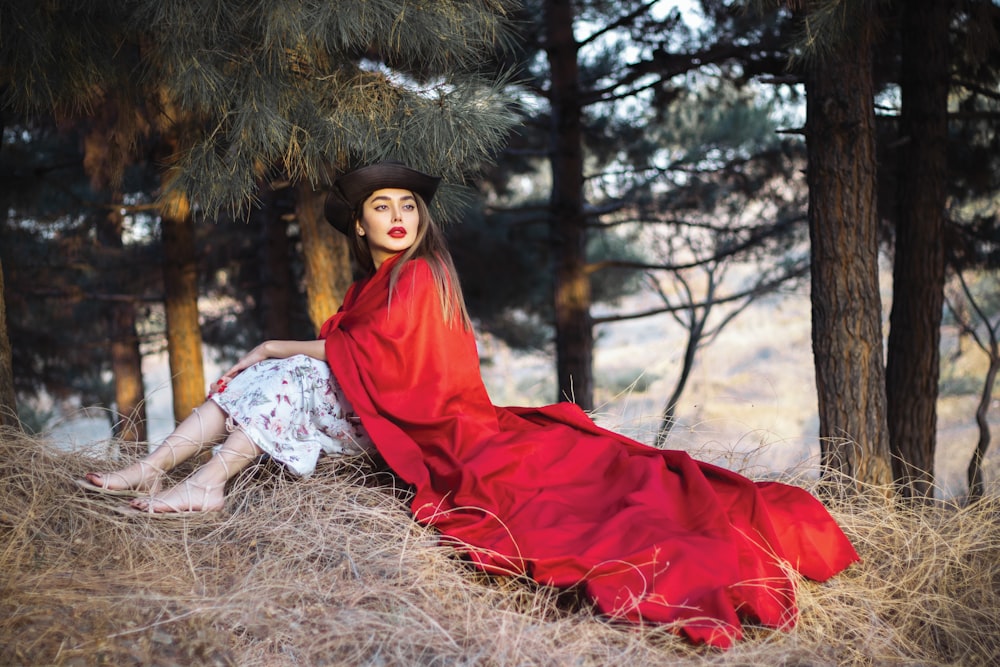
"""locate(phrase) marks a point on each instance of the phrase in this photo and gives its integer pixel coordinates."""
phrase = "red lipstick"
(397, 232)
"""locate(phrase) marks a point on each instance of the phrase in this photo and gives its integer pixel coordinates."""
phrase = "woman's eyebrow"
(387, 197)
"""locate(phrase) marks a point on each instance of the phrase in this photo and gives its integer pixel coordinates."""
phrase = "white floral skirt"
(294, 410)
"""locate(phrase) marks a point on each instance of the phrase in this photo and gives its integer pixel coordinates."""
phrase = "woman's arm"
(276, 349)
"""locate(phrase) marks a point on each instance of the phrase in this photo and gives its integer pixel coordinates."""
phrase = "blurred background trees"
(218, 103)
(164, 165)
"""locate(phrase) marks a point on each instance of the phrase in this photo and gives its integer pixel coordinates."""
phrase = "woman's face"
(389, 222)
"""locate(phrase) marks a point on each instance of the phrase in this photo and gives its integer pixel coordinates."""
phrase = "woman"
(649, 534)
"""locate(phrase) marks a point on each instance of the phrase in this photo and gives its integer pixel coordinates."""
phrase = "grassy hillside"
(332, 571)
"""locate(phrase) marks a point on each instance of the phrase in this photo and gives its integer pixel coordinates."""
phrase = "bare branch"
(977, 88)
(625, 20)
(757, 290)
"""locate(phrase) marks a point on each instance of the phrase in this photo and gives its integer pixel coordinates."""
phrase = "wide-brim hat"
(352, 188)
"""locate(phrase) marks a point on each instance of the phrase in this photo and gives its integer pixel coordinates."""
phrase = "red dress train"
(651, 535)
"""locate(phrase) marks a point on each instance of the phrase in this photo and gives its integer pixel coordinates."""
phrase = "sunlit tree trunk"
(180, 285)
(126, 359)
(913, 362)
(574, 328)
(126, 364)
(104, 162)
(326, 254)
(8, 401)
(846, 304)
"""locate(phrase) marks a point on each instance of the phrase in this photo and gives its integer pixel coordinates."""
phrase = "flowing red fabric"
(651, 535)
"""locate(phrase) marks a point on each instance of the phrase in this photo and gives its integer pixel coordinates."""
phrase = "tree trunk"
(126, 364)
(695, 330)
(276, 285)
(326, 254)
(180, 285)
(8, 397)
(975, 470)
(913, 363)
(572, 298)
(103, 160)
(846, 305)
(8, 400)
(126, 359)
(697, 319)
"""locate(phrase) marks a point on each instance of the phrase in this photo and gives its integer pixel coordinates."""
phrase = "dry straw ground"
(331, 571)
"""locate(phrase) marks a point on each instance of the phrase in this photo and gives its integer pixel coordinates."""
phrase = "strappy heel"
(174, 509)
(142, 489)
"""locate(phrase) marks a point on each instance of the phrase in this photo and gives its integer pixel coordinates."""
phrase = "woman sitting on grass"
(651, 535)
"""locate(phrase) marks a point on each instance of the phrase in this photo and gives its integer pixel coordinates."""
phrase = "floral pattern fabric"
(294, 410)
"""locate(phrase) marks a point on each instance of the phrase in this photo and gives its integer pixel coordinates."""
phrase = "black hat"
(352, 188)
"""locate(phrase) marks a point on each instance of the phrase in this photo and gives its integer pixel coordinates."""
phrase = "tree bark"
(326, 254)
(8, 397)
(974, 472)
(276, 284)
(846, 304)
(568, 225)
(126, 358)
(8, 400)
(696, 329)
(913, 362)
(180, 286)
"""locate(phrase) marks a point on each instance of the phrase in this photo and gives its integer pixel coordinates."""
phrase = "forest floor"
(331, 570)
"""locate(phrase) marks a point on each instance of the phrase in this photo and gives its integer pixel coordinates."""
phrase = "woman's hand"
(271, 349)
(254, 356)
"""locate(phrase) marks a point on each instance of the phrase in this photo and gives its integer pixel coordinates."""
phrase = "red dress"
(649, 534)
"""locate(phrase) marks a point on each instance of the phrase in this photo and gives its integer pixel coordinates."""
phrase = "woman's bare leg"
(204, 426)
(204, 490)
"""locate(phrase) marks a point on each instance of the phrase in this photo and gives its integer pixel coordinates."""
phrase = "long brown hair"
(429, 245)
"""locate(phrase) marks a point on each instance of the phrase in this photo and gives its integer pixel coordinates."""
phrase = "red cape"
(649, 534)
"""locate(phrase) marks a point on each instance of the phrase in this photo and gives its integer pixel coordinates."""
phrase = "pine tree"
(228, 94)
(8, 397)
(843, 233)
(129, 422)
(972, 232)
(604, 81)
(913, 355)
(8, 401)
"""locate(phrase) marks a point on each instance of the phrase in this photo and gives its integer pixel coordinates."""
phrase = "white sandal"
(171, 509)
(131, 492)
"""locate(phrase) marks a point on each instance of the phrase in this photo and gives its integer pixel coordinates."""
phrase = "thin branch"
(758, 289)
(977, 88)
(81, 295)
(623, 21)
(730, 251)
(967, 326)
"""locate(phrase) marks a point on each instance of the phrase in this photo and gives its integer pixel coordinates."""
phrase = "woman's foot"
(186, 497)
(140, 478)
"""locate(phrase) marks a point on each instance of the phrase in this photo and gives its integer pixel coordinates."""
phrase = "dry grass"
(331, 571)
